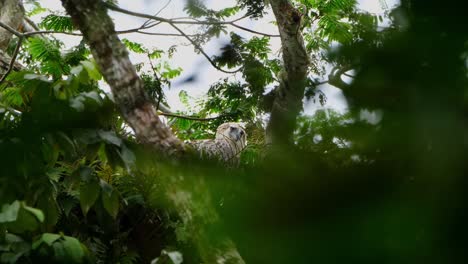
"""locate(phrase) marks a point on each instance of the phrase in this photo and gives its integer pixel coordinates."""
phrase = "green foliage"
(255, 8)
(48, 56)
(76, 187)
(37, 8)
(196, 8)
(57, 23)
(258, 68)
(135, 47)
(60, 249)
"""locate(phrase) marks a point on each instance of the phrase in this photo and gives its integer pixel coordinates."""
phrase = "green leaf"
(110, 137)
(113, 156)
(76, 70)
(57, 23)
(72, 250)
(46, 238)
(66, 144)
(18, 217)
(66, 249)
(16, 248)
(128, 156)
(183, 97)
(12, 97)
(36, 10)
(227, 12)
(92, 70)
(49, 206)
(196, 8)
(110, 200)
(43, 50)
(86, 174)
(89, 192)
(9, 212)
(169, 257)
(135, 47)
(36, 212)
(156, 54)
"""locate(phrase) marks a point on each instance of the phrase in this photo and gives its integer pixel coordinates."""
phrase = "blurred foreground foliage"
(75, 187)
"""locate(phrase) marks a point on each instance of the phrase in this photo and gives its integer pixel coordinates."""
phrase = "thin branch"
(193, 22)
(151, 33)
(190, 117)
(28, 34)
(13, 58)
(253, 31)
(11, 30)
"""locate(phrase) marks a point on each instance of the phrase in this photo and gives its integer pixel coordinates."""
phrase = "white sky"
(195, 64)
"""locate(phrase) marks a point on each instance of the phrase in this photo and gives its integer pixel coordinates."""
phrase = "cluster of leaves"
(255, 8)
(197, 9)
(64, 188)
(160, 73)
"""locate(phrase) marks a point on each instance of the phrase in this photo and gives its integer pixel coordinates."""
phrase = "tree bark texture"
(12, 14)
(188, 197)
(113, 61)
(289, 95)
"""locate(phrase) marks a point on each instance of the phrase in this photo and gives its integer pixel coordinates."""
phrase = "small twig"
(157, 13)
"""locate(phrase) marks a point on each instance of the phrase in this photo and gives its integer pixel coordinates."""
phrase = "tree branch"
(195, 118)
(13, 58)
(173, 23)
(289, 95)
(176, 21)
(11, 30)
(334, 78)
(112, 58)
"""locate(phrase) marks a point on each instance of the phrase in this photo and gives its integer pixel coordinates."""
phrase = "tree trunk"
(11, 14)
(288, 97)
(185, 195)
(112, 59)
